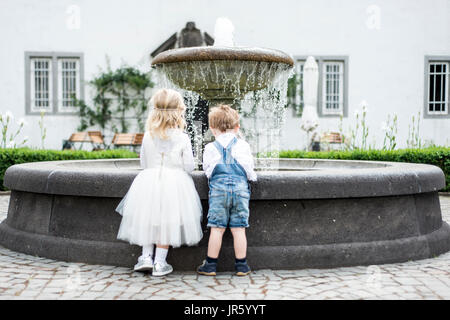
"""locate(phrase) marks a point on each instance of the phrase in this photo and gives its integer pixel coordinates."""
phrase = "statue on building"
(189, 36)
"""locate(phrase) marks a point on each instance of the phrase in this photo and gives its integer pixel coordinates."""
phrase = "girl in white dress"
(162, 206)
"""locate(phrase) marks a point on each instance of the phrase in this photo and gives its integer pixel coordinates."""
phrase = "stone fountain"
(310, 213)
(304, 213)
(222, 74)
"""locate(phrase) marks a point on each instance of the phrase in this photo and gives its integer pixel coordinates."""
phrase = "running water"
(257, 89)
(223, 33)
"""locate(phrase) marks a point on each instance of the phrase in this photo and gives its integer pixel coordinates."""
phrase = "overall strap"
(231, 143)
(227, 157)
(219, 147)
(226, 152)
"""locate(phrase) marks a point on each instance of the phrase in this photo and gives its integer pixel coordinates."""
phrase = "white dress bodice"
(174, 152)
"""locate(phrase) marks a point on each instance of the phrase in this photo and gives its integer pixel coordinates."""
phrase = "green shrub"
(9, 157)
(438, 156)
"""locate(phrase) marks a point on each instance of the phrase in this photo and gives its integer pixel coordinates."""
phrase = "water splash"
(263, 115)
(223, 32)
(257, 89)
(262, 111)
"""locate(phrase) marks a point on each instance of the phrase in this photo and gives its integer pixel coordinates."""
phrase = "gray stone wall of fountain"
(305, 213)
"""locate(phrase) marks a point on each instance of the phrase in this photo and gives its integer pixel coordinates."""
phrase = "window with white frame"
(68, 83)
(54, 80)
(299, 97)
(295, 94)
(41, 84)
(438, 87)
(332, 87)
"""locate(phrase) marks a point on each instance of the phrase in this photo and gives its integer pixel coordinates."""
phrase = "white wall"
(386, 65)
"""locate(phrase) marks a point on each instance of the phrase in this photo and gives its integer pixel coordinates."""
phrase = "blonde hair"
(223, 118)
(168, 112)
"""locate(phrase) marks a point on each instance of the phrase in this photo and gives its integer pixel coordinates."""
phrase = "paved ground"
(27, 277)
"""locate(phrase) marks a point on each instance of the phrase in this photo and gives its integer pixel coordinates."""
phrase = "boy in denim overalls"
(228, 163)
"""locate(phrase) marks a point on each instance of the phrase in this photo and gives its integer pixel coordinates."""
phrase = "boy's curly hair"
(222, 117)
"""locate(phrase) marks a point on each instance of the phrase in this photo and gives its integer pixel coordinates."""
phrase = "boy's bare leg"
(215, 242)
(240, 242)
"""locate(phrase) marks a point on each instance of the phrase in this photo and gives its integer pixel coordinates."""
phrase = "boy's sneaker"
(160, 269)
(144, 264)
(242, 268)
(207, 268)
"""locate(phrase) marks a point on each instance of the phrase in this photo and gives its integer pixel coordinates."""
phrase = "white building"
(393, 54)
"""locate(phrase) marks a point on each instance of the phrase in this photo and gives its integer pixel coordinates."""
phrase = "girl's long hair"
(168, 112)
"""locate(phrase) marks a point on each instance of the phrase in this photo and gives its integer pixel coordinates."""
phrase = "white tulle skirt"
(162, 206)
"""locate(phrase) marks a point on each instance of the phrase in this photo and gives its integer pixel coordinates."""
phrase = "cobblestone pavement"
(26, 277)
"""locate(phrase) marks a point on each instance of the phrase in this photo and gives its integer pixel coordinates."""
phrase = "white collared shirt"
(240, 151)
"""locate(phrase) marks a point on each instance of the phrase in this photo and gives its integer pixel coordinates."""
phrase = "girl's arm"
(142, 157)
(188, 156)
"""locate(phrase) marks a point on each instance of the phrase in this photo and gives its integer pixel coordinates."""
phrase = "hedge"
(438, 156)
(9, 157)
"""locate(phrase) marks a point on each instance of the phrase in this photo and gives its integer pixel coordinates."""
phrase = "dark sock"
(211, 260)
(241, 260)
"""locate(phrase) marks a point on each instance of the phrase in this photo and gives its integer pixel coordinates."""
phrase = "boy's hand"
(251, 184)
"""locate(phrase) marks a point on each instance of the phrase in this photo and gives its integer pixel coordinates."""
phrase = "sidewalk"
(27, 277)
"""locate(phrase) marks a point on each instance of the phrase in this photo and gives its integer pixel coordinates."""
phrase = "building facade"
(395, 55)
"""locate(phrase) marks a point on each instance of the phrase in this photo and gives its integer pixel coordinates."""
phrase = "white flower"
(8, 115)
(22, 122)
(363, 104)
(356, 113)
(11, 144)
(384, 126)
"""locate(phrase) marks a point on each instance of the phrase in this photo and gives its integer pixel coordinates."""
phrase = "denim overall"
(229, 192)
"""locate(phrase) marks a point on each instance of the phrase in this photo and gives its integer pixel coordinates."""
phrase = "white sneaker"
(144, 264)
(160, 269)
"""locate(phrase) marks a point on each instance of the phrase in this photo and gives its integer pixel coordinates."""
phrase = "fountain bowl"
(222, 73)
(304, 213)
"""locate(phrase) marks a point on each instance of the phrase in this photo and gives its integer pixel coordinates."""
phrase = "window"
(52, 81)
(332, 86)
(438, 74)
(41, 84)
(295, 89)
(436, 86)
(68, 83)
(333, 83)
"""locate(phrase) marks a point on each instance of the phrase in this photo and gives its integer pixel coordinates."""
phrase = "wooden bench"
(96, 140)
(331, 139)
(93, 137)
(80, 137)
(127, 140)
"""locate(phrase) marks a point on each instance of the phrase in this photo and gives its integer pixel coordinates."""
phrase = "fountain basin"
(304, 213)
(222, 74)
